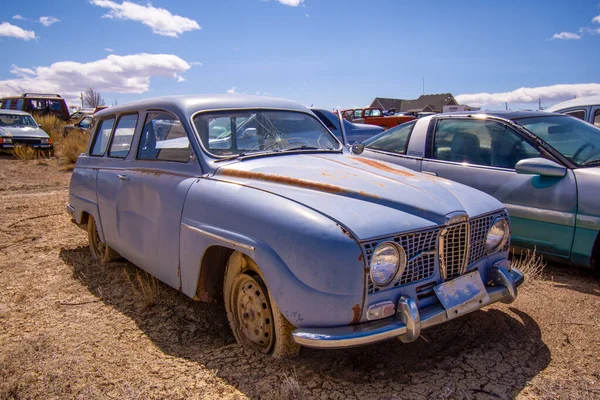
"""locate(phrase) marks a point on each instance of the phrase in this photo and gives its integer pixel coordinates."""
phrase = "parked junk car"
(375, 116)
(81, 127)
(585, 108)
(306, 243)
(18, 128)
(544, 167)
(79, 114)
(38, 103)
(354, 132)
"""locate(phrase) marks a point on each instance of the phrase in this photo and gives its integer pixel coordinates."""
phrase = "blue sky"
(327, 53)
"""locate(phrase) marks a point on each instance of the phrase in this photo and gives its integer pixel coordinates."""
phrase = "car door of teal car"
(483, 154)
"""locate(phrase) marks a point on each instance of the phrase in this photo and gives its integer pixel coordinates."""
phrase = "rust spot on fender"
(356, 315)
(346, 232)
(382, 167)
(327, 175)
(360, 258)
(285, 180)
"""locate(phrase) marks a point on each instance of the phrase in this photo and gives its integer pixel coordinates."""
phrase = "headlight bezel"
(400, 265)
(505, 237)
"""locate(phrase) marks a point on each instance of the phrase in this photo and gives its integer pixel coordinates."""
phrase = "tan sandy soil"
(72, 328)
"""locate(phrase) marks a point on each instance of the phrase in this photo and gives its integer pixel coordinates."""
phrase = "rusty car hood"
(367, 197)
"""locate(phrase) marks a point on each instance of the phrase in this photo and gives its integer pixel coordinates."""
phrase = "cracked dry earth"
(72, 328)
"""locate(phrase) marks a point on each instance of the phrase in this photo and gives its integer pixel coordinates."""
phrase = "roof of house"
(435, 102)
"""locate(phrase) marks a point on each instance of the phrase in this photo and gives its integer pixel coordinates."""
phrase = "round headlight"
(497, 236)
(387, 262)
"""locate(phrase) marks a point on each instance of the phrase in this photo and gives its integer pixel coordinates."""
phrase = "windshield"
(259, 131)
(576, 140)
(17, 120)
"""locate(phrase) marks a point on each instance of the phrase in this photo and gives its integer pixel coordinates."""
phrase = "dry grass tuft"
(145, 287)
(71, 147)
(24, 153)
(530, 263)
(291, 389)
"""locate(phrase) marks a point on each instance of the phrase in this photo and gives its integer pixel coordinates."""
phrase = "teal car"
(544, 167)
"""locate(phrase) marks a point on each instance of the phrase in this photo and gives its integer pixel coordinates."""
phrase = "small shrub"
(25, 153)
(52, 126)
(145, 287)
(290, 387)
(530, 263)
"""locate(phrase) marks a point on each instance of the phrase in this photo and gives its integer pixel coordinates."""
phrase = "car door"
(483, 153)
(153, 189)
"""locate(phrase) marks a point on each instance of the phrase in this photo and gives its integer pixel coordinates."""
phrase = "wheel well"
(84, 218)
(212, 274)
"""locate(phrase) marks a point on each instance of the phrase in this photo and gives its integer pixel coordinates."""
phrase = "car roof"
(578, 102)
(189, 104)
(13, 112)
(498, 114)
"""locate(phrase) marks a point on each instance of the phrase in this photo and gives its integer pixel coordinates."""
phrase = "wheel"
(254, 317)
(100, 250)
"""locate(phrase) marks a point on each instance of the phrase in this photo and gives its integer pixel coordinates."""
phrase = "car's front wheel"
(253, 316)
(100, 250)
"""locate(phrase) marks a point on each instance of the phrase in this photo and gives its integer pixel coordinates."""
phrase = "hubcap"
(253, 312)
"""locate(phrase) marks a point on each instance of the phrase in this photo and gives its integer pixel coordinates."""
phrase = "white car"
(585, 108)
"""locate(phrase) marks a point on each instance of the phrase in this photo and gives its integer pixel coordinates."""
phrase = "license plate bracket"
(462, 295)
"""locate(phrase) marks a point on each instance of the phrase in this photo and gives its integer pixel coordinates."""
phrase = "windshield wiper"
(253, 154)
(590, 162)
(305, 147)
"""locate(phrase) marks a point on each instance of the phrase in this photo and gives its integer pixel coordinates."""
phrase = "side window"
(20, 104)
(102, 137)
(6, 104)
(577, 114)
(476, 142)
(376, 113)
(164, 138)
(121, 141)
(597, 118)
(394, 140)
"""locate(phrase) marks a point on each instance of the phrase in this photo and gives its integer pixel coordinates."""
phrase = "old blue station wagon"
(252, 200)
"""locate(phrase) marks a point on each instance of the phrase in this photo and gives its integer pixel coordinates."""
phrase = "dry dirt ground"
(71, 328)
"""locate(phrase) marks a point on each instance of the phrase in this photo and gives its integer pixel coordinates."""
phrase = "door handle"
(429, 173)
(123, 177)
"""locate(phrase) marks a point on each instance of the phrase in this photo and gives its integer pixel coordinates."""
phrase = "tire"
(100, 250)
(253, 315)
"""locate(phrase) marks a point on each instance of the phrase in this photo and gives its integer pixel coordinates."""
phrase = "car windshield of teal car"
(234, 134)
(576, 140)
(17, 120)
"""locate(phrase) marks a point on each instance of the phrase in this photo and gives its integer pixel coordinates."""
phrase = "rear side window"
(577, 114)
(102, 137)
(164, 138)
(597, 118)
(393, 140)
(121, 141)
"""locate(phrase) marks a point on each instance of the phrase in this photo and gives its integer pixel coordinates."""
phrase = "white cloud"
(596, 19)
(17, 17)
(589, 31)
(531, 95)
(123, 74)
(109, 49)
(566, 36)
(10, 30)
(47, 21)
(197, 63)
(291, 3)
(160, 20)
(23, 72)
(231, 91)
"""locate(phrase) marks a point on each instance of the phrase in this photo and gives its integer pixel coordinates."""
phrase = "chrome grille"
(454, 250)
(422, 250)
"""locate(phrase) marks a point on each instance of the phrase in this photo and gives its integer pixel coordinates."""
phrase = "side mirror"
(358, 148)
(540, 166)
(39, 126)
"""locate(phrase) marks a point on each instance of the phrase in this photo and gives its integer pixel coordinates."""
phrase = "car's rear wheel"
(254, 317)
(100, 250)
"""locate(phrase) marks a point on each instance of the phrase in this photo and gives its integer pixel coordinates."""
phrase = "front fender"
(313, 270)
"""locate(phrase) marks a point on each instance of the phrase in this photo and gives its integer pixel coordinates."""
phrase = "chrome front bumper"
(409, 320)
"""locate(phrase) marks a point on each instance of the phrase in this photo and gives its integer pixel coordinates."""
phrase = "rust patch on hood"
(285, 180)
(360, 258)
(382, 167)
(356, 315)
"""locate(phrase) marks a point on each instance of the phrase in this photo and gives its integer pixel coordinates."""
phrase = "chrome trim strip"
(71, 210)
(588, 222)
(220, 238)
(404, 324)
(541, 215)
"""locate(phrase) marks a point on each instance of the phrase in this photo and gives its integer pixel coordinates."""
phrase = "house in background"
(427, 103)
